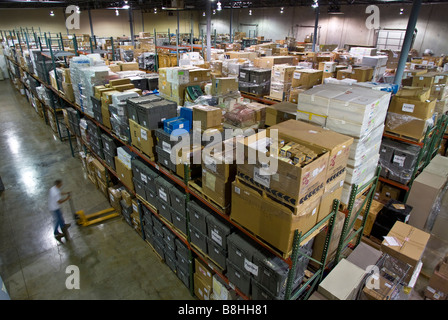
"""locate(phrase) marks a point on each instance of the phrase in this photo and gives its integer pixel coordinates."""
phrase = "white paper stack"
(378, 63)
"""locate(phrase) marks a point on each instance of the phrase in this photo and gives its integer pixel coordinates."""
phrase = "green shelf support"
(348, 226)
(140, 214)
(190, 253)
(298, 238)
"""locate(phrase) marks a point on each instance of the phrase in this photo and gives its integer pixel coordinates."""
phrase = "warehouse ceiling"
(190, 4)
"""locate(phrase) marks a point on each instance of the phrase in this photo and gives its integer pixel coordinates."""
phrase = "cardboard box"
(294, 95)
(307, 77)
(115, 197)
(343, 282)
(142, 138)
(406, 126)
(128, 66)
(433, 294)
(223, 85)
(406, 243)
(337, 144)
(268, 219)
(424, 193)
(375, 208)
(384, 291)
(282, 73)
(68, 91)
(280, 112)
(289, 183)
(414, 93)
(201, 289)
(425, 80)
(326, 202)
(119, 82)
(364, 256)
(210, 117)
(268, 62)
(362, 74)
(203, 272)
(279, 90)
(438, 281)
(414, 108)
(100, 170)
(389, 192)
(216, 188)
(343, 74)
(124, 173)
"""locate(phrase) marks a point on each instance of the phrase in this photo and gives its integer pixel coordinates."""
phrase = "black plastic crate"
(110, 159)
(218, 230)
(149, 232)
(217, 253)
(272, 272)
(109, 144)
(139, 188)
(240, 250)
(183, 276)
(198, 216)
(198, 238)
(164, 209)
(157, 226)
(151, 115)
(151, 197)
(164, 159)
(241, 279)
(183, 261)
(258, 292)
(169, 237)
(182, 249)
(178, 200)
(170, 260)
(163, 187)
(159, 246)
(179, 220)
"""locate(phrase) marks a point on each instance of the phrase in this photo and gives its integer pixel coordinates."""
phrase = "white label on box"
(112, 198)
(237, 190)
(144, 178)
(231, 285)
(421, 78)
(166, 147)
(277, 74)
(243, 74)
(437, 79)
(216, 237)
(391, 241)
(262, 179)
(399, 160)
(162, 195)
(297, 75)
(181, 126)
(134, 206)
(314, 212)
(407, 107)
(239, 253)
(430, 289)
(251, 267)
(144, 134)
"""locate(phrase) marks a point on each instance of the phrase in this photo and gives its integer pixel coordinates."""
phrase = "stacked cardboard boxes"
(354, 111)
(411, 111)
(292, 187)
(281, 81)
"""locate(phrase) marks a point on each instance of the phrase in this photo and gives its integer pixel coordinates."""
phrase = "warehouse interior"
(223, 150)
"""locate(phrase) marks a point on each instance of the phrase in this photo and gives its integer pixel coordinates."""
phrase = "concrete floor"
(113, 260)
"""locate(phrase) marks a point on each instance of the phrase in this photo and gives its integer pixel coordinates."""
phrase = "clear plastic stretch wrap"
(398, 160)
(395, 120)
(240, 116)
(436, 207)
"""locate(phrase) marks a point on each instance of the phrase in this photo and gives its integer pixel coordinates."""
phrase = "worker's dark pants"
(58, 220)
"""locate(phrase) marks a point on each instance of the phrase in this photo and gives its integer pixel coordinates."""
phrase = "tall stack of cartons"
(281, 81)
(266, 197)
(378, 63)
(411, 112)
(354, 111)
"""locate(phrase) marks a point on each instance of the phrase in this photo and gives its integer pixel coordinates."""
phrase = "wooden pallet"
(198, 189)
(402, 136)
(152, 207)
(252, 94)
(273, 99)
(157, 254)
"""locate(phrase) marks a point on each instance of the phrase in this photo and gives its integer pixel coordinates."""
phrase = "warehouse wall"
(338, 29)
(295, 21)
(105, 22)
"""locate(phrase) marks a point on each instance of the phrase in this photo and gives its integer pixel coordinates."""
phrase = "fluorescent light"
(203, 14)
(126, 6)
(116, 12)
(250, 12)
(52, 13)
(219, 6)
(214, 11)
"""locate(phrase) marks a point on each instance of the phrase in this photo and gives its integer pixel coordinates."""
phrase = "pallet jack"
(85, 220)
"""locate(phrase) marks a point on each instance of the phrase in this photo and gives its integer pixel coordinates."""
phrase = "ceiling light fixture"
(250, 12)
(52, 13)
(78, 11)
(214, 11)
(117, 13)
(155, 10)
(281, 10)
(401, 11)
(218, 6)
(125, 6)
(315, 4)
(203, 14)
